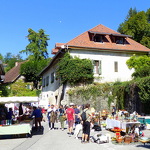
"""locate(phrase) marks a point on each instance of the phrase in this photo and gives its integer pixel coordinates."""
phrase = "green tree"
(11, 59)
(131, 13)
(38, 56)
(31, 69)
(37, 46)
(1, 57)
(140, 64)
(137, 25)
(74, 70)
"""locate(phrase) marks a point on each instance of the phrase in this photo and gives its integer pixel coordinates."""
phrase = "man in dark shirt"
(38, 116)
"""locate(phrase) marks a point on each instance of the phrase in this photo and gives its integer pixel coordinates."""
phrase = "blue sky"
(62, 20)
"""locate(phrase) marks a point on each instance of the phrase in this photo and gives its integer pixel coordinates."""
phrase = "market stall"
(20, 128)
(124, 125)
(20, 123)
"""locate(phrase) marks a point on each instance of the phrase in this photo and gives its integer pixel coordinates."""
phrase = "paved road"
(57, 139)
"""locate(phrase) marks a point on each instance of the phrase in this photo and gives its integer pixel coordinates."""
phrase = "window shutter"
(93, 64)
(100, 67)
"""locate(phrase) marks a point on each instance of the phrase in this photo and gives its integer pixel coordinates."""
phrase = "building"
(109, 51)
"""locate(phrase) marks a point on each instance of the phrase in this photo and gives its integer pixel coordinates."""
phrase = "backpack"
(83, 116)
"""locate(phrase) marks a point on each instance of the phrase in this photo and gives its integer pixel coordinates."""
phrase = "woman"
(61, 116)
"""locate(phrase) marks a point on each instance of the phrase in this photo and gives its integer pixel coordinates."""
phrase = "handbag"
(64, 117)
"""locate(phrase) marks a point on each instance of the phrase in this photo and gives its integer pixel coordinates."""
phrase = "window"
(120, 40)
(43, 83)
(28, 86)
(47, 80)
(116, 66)
(97, 67)
(98, 38)
(52, 77)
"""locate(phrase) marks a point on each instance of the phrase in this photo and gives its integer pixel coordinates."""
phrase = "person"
(51, 115)
(77, 111)
(10, 114)
(38, 117)
(61, 116)
(43, 114)
(113, 110)
(70, 114)
(20, 109)
(86, 124)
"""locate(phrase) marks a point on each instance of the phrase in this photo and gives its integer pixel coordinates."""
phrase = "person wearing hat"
(70, 114)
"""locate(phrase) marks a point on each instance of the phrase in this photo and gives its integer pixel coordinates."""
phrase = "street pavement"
(58, 139)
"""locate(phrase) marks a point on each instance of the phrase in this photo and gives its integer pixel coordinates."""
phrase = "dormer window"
(120, 40)
(98, 38)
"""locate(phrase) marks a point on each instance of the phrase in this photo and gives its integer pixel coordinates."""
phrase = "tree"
(10, 60)
(138, 26)
(1, 57)
(38, 56)
(141, 65)
(31, 69)
(37, 46)
(74, 70)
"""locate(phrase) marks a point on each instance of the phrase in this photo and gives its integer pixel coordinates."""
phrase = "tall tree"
(38, 56)
(37, 46)
(138, 26)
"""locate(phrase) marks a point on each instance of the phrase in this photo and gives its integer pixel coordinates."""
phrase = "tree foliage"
(37, 46)
(140, 64)
(19, 88)
(4, 91)
(38, 56)
(31, 69)
(9, 59)
(137, 24)
(74, 70)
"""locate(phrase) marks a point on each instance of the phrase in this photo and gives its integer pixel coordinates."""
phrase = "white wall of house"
(108, 60)
(50, 90)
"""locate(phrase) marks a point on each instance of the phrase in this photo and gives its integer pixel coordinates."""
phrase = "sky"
(62, 20)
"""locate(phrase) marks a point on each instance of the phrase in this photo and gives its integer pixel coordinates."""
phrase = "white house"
(109, 51)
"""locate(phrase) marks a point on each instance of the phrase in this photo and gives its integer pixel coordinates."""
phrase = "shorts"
(86, 127)
(70, 123)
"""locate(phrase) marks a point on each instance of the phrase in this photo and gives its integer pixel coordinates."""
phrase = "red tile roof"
(83, 41)
(13, 74)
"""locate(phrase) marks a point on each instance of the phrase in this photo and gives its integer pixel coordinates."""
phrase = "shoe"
(49, 128)
(72, 133)
(53, 129)
(82, 141)
(86, 141)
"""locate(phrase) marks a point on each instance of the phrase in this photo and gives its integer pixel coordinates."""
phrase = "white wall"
(49, 92)
(108, 74)
(107, 62)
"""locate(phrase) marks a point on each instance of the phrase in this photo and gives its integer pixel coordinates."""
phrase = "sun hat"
(71, 104)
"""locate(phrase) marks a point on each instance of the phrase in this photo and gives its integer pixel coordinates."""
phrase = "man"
(38, 116)
(86, 124)
(51, 114)
(70, 114)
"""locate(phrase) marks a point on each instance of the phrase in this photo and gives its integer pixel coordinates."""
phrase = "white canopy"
(24, 99)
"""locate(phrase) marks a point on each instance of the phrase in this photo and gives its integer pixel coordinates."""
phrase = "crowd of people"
(71, 115)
